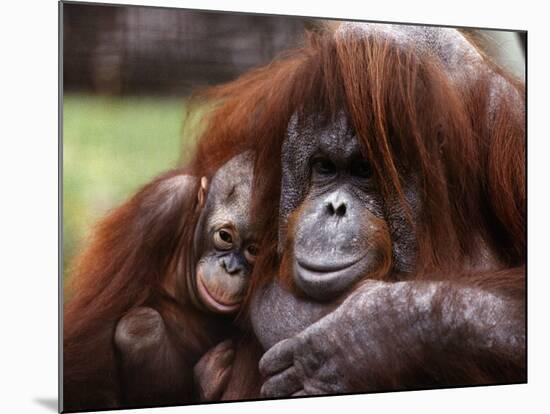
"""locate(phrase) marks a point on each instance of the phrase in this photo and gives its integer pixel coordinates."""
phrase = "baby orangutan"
(160, 343)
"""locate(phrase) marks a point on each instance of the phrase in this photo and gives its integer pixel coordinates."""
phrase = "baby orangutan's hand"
(213, 370)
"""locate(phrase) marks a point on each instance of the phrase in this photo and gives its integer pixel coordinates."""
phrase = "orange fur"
(408, 116)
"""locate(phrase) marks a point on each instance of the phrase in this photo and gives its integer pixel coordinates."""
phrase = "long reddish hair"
(464, 141)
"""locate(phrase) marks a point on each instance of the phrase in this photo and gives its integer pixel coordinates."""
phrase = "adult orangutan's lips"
(214, 303)
(324, 267)
(324, 281)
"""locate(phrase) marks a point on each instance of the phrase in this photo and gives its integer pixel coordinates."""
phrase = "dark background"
(143, 50)
(139, 50)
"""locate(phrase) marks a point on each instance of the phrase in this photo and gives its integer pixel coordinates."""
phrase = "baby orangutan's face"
(225, 237)
(223, 272)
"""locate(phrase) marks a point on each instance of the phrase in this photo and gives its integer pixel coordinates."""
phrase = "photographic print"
(264, 206)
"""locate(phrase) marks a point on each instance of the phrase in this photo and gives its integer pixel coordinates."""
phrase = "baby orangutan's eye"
(223, 239)
(250, 253)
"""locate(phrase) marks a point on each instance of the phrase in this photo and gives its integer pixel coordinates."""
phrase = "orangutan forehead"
(459, 58)
(230, 191)
(447, 44)
(310, 133)
(233, 180)
(232, 211)
(234, 196)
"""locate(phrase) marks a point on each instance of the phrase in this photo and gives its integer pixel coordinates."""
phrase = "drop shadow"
(49, 403)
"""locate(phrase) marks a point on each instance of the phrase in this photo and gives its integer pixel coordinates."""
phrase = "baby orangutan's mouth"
(214, 303)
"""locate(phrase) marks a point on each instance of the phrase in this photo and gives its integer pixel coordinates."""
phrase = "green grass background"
(111, 147)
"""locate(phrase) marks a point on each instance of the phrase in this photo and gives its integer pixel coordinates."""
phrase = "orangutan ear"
(203, 190)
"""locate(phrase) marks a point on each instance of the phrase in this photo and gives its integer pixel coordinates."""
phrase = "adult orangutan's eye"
(324, 166)
(223, 239)
(361, 169)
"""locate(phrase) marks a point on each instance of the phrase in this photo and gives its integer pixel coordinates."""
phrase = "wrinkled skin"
(152, 356)
(342, 352)
(277, 314)
(326, 176)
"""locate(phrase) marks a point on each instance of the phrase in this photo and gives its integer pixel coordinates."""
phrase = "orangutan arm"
(402, 335)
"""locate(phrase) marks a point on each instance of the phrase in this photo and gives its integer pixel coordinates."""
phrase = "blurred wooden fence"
(115, 49)
(136, 49)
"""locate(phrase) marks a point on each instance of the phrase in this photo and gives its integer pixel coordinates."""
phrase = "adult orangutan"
(401, 214)
(157, 289)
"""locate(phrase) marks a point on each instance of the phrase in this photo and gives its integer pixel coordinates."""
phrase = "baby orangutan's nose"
(232, 264)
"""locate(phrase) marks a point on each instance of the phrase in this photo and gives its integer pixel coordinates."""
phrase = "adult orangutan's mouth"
(324, 281)
(213, 303)
(325, 267)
